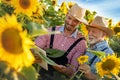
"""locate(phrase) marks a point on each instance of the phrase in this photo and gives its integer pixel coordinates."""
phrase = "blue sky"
(106, 8)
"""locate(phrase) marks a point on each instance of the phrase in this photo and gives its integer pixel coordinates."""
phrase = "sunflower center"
(108, 65)
(8, 0)
(24, 3)
(82, 59)
(11, 41)
(53, 2)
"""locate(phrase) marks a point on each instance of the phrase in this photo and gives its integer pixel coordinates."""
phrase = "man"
(97, 31)
(69, 40)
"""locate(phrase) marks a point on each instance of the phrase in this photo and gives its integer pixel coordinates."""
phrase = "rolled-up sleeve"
(41, 41)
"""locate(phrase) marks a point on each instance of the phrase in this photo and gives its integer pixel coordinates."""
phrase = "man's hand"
(87, 71)
(63, 69)
(37, 59)
(60, 68)
(84, 68)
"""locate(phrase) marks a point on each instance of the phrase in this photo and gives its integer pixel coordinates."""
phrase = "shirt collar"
(101, 45)
(61, 29)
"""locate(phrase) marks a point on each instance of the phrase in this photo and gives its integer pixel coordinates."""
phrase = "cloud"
(106, 8)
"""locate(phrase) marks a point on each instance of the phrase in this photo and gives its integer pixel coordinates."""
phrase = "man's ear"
(104, 34)
(80, 22)
(67, 13)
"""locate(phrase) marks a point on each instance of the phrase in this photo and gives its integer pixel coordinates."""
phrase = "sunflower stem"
(76, 75)
(80, 75)
(73, 75)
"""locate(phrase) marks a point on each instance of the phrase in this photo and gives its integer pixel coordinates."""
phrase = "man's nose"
(90, 33)
(70, 22)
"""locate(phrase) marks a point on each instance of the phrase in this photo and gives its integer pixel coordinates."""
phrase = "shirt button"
(62, 45)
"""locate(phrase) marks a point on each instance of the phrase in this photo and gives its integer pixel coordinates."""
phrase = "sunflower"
(116, 28)
(82, 59)
(64, 8)
(38, 14)
(39, 10)
(25, 6)
(70, 4)
(109, 64)
(6, 1)
(54, 2)
(14, 45)
(84, 29)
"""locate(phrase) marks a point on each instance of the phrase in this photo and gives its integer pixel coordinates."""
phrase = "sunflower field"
(21, 21)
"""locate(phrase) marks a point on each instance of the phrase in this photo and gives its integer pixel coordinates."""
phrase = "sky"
(105, 8)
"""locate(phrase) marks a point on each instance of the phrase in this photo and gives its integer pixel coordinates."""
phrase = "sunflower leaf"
(55, 53)
(39, 32)
(29, 73)
(40, 53)
(108, 78)
(113, 76)
(9, 73)
(97, 53)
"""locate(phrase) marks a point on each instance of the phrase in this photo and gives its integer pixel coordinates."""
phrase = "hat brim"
(108, 31)
(81, 20)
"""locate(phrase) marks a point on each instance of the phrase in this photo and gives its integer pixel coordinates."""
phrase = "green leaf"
(54, 53)
(114, 43)
(108, 78)
(57, 76)
(113, 76)
(100, 54)
(39, 32)
(29, 73)
(41, 53)
(9, 73)
(21, 76)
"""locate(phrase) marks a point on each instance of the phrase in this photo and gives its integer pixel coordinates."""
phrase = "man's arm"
(80, 50)
(63, 69)
(73, 64)
(87, 72)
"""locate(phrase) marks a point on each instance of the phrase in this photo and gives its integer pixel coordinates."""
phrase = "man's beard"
(68, 27)
(92, 40)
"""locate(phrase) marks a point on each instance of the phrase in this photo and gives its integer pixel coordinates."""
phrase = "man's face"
(94, 35)
(71, 23)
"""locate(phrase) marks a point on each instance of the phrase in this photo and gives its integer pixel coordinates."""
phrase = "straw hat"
(78, 13)
(102, 24)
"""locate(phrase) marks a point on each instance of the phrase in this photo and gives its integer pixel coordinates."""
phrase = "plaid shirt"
(63, 42)
(101, 46)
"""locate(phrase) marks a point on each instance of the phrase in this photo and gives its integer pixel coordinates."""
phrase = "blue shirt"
(101, 46)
